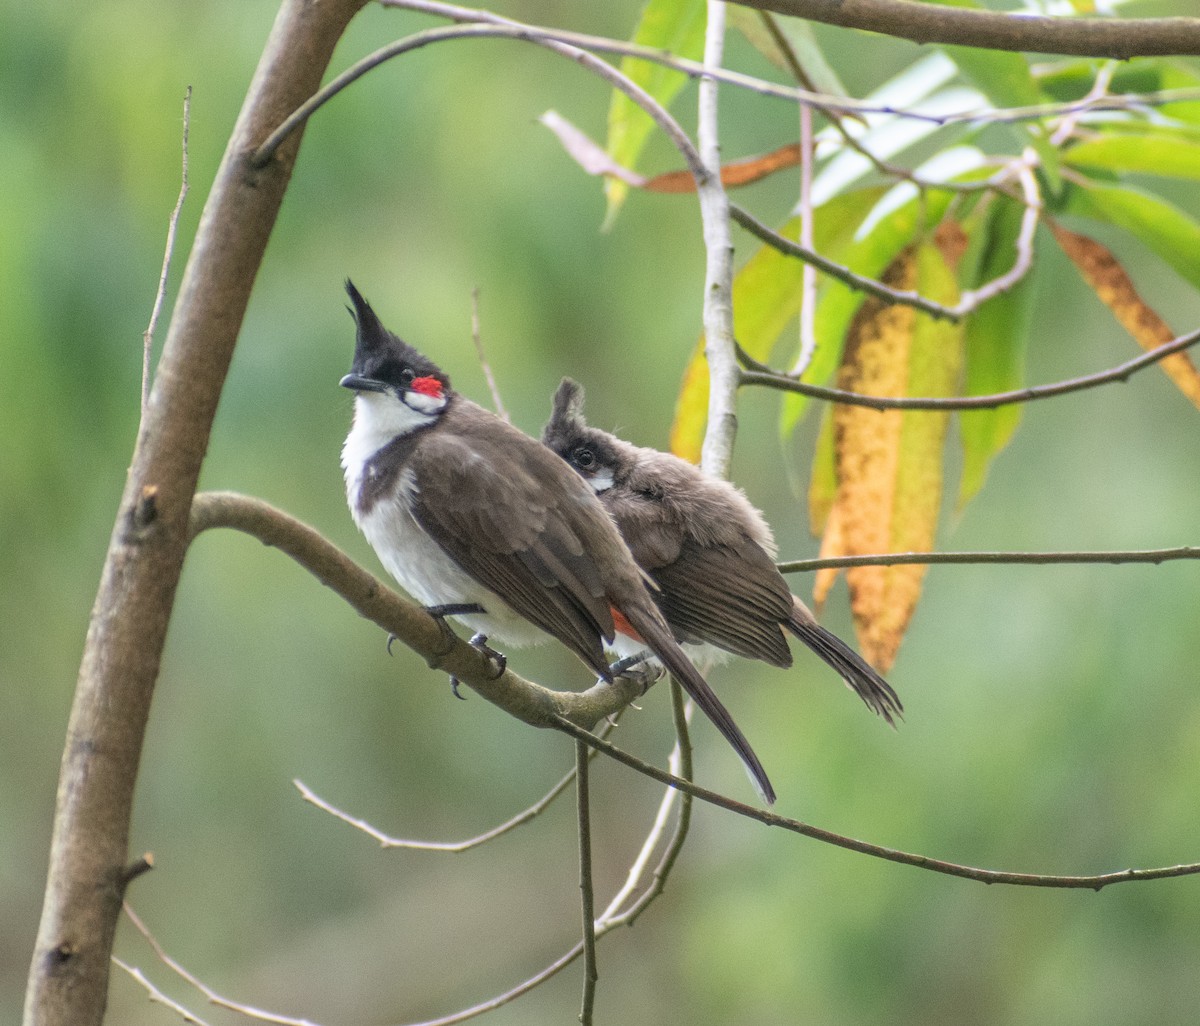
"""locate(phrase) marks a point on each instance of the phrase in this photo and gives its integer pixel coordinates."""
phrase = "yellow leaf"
(889, 463)
(691, 409)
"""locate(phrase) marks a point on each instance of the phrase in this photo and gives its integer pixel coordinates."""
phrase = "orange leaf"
(1102, 271)
(739, 172)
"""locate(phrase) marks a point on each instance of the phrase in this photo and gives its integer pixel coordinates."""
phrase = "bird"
(709, 550)
(478, 520)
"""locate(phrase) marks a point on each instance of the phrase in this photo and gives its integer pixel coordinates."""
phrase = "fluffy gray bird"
(707, 548)
(478, 520)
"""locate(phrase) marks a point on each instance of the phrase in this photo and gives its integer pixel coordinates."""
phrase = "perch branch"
(408, 623)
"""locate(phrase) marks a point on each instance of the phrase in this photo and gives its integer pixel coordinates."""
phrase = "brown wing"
(733, 598)
(515, 518)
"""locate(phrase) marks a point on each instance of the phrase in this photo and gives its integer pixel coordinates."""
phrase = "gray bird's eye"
(583, 458)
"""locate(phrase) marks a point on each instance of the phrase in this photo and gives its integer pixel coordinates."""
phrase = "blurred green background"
(1053, 714)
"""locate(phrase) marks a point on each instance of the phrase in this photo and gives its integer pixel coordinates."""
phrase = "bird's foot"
(439, 614)
(642, 668)
(497, 661)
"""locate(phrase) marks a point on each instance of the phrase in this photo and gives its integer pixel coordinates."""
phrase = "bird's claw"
(641, 668)
(439, 614)
(497, 661)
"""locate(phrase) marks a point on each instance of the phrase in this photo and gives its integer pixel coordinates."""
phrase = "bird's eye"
(407, 376)
(583, 458)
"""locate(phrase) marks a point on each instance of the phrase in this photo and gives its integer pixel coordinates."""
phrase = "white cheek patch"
(422, 403)
(601, 481)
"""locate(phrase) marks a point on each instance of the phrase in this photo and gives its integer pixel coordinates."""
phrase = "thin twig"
(808, 273)
(482, 30)
(972, 299)
(680, 764)
(786, 383)
(870, 286)
(918, 861)
(587, 897)
(623, 909)
(210, 995)
(477, 338)
(158, 996)
(172, 227)
(1115, 557)
(387, 841)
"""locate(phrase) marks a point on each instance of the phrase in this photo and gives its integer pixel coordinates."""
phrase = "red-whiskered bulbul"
(710, 552)
(463, 509)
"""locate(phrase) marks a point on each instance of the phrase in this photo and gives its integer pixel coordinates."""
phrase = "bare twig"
(157, 995)
(988, 876)
(172, 227)
(870, 286)
(1114, 558)
(213, 998)
(808, 274)
(477, 338)
(587, 897)
(387, 841)
(786, 383)
(680, 764)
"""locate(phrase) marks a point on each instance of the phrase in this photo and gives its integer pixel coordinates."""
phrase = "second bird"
(707, 548)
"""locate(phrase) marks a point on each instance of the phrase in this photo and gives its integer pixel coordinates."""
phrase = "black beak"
(361, 384)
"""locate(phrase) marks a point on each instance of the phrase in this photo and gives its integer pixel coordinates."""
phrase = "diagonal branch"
(988, 876)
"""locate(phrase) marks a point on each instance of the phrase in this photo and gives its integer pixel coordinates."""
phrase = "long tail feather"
(658, 637)
(859, 675)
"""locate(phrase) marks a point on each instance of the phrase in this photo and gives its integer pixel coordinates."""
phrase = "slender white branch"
(723, 373)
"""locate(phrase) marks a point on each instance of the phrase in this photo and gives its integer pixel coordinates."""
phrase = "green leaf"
(997, 335)
(673, 25)
(1162, 227)
(1150, 153)
(868, 256)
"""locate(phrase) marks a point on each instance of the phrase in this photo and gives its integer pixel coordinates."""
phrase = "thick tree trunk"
(68, 980)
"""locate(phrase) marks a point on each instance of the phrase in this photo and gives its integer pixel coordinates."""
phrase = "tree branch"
(1119, 38)
(408, 623)
(68, 979)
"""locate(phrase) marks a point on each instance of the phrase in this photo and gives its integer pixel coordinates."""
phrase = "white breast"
(411, 556)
